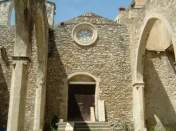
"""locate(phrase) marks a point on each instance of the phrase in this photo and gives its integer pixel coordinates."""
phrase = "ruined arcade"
(88, 73)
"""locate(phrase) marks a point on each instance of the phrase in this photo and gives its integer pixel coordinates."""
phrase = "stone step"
(93, 129)
(88, 126)
(92, 124)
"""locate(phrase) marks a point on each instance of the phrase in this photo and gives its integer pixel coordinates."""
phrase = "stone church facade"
(101, 74)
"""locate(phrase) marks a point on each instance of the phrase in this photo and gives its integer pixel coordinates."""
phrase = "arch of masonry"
(28, 14)
(11, 7)
(138, 82)
(97, 99)
(83, 73)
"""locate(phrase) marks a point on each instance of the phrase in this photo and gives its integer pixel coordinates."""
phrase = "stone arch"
(90, 78)
(7, 7)
(83, 73)
(138, 82)
(11, 10)
(148, 23)
(97, 80)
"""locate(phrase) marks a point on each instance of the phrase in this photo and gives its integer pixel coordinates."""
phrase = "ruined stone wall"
(31, 89)
(159, 76)
(6, 46)
(7, 41)
(137, 18)
(7, 6)
(107, 59)
(160, 91)
(4, 11)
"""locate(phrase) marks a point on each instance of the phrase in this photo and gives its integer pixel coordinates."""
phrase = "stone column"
(138, 107)
(40, 104)
(17, 95)
(22, 53)
(41, 34)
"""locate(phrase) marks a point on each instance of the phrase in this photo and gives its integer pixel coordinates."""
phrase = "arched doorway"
(153, 72)
(81, 98)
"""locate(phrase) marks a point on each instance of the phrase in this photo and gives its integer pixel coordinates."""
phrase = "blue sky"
(66, 9)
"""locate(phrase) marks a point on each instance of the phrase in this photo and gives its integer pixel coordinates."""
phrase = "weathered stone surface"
(112, 59)
(5, 10)
(139, 22)
(107, 59)
(159, 77)
(6, 42)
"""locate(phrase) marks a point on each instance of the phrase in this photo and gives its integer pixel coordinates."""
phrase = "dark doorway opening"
(80, 101)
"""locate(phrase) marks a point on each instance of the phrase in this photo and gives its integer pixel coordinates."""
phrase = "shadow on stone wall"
(159, 108)
(171, 57)
(4, 100)
(56, 80)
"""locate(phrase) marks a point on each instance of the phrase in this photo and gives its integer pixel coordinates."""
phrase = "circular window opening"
(84, 34)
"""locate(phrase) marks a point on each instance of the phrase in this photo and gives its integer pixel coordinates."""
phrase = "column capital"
(24, 60)
(140, 84)
(15, 62)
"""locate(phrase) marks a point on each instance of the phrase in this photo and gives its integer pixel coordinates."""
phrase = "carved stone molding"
(138, 85)
(84, 34)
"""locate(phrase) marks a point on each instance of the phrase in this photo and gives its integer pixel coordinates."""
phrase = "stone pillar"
(51, 8)
(22, 53)
(41, 34)
(101, 111)
(92, 114)
(17, 95)
(138, 107)
(40, 104)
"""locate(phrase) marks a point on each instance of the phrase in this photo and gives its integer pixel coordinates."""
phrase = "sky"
(67, 9)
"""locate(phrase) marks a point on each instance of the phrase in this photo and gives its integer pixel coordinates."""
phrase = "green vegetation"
(154, 129)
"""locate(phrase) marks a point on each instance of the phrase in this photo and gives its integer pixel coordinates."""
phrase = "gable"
(91, 18)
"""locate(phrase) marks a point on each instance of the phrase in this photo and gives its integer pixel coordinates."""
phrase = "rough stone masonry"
(66, 70)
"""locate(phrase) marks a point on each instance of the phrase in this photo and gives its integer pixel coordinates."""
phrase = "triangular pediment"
(90, 17)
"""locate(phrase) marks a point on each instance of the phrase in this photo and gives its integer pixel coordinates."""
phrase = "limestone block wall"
(107, 59)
